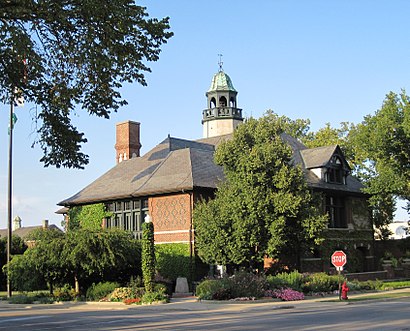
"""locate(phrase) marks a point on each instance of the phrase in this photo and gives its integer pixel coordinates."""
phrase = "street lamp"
(147, 219)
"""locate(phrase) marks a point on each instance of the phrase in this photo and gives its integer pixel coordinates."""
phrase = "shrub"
(206, 290)
(320, 282)
(21, 299)
(121, 293)
(292, 280)
(155, 296)
(245, 284)
(65, 293)
(98, 291)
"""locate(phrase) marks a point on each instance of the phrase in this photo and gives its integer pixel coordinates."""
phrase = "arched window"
(212, 103)
(222, 102)
(232, 103)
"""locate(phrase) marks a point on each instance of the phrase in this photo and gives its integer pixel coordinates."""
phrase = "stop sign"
(338, 259)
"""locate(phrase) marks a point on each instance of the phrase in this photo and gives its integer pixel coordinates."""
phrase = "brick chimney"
(128, 143)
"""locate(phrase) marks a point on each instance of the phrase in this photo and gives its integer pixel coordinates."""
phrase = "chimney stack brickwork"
(128, 143)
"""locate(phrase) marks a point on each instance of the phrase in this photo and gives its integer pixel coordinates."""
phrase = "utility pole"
(9, 200)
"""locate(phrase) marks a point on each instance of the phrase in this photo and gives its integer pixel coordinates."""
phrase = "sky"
(326, 61)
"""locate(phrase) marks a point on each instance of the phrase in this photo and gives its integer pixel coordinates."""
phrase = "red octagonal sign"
(339, 259)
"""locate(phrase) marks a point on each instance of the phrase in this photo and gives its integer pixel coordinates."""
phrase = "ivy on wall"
(173, 260)
(87, 217)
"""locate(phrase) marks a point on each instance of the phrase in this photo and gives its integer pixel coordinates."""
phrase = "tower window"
(212, 103)
(222, 102)
(232, 103)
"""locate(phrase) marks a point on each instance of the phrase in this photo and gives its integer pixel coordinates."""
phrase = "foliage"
(87, 217)
(62, 54)
(173, 260)
(65, 293)
(320, 282)
(104, 254)
(208, 289)
(99, 291)
(154, 296)
(121, 293)
(17, 247)
(148, 256)
(292, 279)
(381, 142)
(246, 284)
(83, 255)
(21, 299)
(264, 207)
(23, 275)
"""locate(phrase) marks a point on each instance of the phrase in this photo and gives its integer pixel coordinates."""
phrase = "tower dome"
(222, 115)
(221, 82)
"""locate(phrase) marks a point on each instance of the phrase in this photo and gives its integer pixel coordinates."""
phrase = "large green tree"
(382, 145)
(264, 207)
(62, 53)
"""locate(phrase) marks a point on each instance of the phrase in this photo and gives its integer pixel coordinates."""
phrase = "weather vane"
(220, 62)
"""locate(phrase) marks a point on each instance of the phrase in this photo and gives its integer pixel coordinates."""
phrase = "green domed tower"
(222, 115)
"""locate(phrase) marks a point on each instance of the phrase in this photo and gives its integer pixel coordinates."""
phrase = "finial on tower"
(220, 63)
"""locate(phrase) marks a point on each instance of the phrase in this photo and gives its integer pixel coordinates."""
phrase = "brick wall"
(171, 216)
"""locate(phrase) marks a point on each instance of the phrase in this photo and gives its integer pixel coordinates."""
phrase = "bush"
(320, 282)
(245, 284)
(65, 293)
(121, 293)
(292, 280)
(207, 289)
(99, 291)
(21, 299)
(155, 296)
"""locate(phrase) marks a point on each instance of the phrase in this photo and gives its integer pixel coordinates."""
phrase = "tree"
(17, 247)
(332, 136)
(381, 142)
(60, 54)
(264, 207)
(104, 254)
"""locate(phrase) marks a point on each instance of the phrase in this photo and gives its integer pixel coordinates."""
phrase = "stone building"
(169, 179)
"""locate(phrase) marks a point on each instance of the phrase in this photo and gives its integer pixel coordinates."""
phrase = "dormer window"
(335, 172)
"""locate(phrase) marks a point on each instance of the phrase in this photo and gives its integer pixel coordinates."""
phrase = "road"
(188, 314)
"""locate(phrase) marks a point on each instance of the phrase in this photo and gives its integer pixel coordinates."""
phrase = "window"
(335, 207)
(335, 172)
(128, 215)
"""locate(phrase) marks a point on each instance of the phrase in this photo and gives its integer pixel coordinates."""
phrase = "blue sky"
(327, 61)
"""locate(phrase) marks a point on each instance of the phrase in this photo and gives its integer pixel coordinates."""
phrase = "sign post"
(339, 259)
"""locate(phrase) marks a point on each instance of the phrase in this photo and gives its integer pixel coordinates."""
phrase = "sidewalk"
(192, 303)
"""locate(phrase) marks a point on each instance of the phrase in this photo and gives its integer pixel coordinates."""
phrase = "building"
(24, 231)
(168, 180)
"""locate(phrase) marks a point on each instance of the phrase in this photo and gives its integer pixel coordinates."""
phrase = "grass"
(379, 296)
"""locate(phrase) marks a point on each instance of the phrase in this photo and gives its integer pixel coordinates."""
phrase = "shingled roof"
(177, 165)
(173, 165)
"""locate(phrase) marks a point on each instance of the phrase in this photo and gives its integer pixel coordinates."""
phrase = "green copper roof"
(221, 82)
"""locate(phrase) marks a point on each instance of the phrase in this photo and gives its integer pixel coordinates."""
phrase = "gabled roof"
(172, 166)
(320, 156)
